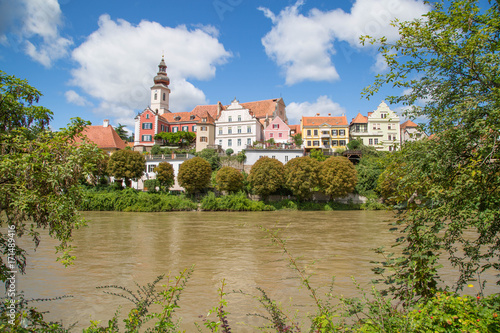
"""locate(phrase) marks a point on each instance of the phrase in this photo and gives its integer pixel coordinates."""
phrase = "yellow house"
(325, 133)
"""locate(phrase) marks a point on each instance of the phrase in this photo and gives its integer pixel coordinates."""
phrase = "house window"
(147, 138)
(249, 141)
(147, 116)
(271, 135)
(390, 148)
(175, 129)
(308, 143)
(375, 141)
(193, 128)
(220, 131)
(276, 126)
(316, 143)
(147, 125)
(185, 128)
(335, 143)
(229, 143)
(308, 132)
(249, 129)
(229, 119)
(156, 96)
(334, 133)
(239, 117)
(273, 157)
(341, 132)
(239, 142)
(383, 115)
(203, 139)
(370, 142)
(229, 130)
(220, 142)
(315, 132)
(280, 135)
(151, 168)
(390, 137)
(286, 158)
(341, 142)
(163, 96)
(239, 129)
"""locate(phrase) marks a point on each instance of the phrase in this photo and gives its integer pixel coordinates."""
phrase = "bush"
(266, 176)
(232, 202)
(229, 179)
(194, 174)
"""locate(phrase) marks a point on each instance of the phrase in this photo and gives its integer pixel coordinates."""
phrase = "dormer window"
(191, 117)
(204, 120)
(177, 118)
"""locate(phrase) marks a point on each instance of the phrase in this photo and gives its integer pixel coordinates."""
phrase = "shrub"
(337, 177)
(301, 176)
(229, 179)
(266, 176)
(194, 174)
(165, 175)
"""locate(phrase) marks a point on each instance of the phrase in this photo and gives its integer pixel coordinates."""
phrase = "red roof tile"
(295, 128)
(104, 137)
(360, 119)
(408, 123)
(316, 121)
(179, 117)
(261, 109)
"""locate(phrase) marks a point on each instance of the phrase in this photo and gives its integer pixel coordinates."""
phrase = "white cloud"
(323, 106)
(36, 24)
(118, 61)
(74, 98)
(302, 45)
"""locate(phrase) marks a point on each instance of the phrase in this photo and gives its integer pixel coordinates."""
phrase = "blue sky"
(95, 59)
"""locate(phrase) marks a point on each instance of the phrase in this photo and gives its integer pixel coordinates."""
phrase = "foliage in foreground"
(194, 174)
(447, 186)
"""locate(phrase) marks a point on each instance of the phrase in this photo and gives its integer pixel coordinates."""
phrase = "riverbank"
(130, 200)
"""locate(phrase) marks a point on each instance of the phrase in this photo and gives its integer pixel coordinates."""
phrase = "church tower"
(160, 92)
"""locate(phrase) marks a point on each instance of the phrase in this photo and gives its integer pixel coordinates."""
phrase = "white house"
(282, 155)
(237, 127)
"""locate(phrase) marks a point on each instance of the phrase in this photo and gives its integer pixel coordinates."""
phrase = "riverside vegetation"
(445, 189)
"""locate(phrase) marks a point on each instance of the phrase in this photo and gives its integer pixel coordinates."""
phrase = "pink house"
(277, 130)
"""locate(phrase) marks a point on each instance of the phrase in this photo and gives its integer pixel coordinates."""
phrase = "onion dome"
(161, 77)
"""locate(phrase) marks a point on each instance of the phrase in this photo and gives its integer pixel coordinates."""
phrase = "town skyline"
(97, 60)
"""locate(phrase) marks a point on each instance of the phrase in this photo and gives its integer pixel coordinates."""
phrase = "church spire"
(161, 76)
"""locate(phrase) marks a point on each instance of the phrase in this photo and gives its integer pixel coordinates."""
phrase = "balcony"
(325, 135)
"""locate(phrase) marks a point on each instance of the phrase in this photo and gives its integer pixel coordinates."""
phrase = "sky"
(96, 59)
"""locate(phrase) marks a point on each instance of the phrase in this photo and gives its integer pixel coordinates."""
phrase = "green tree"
(229, 151)
(122, 133)
(369, 169)
(266, 176)
(297, 139)
(39, 174)
(448, 59)
(211, 156)
(318, 155)
(194, 174)
(165, 175)
(229, 179)
(302, 176)
(337, 177)
(126, 164)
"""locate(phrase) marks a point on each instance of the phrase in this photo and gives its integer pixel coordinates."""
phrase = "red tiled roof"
(203, 109)
(360, 119)
(333, 121)
(179, 117)
(408, 123)
(261, 109)
(295, 128)
(210, 119)
(103, 137)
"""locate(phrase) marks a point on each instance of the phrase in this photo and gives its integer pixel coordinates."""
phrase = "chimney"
(105, 123)
(219, 107)
(317, 114)
(329, 115)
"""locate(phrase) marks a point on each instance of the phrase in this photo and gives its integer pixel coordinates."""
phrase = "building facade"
(325, 133)
(411, 132)
(380, 129)
(236, 127)
(277, 130)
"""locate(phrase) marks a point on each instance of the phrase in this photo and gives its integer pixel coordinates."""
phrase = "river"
(119, 248)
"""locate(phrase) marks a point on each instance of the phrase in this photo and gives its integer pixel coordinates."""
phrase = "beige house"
(205, 132)
(380, 129)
